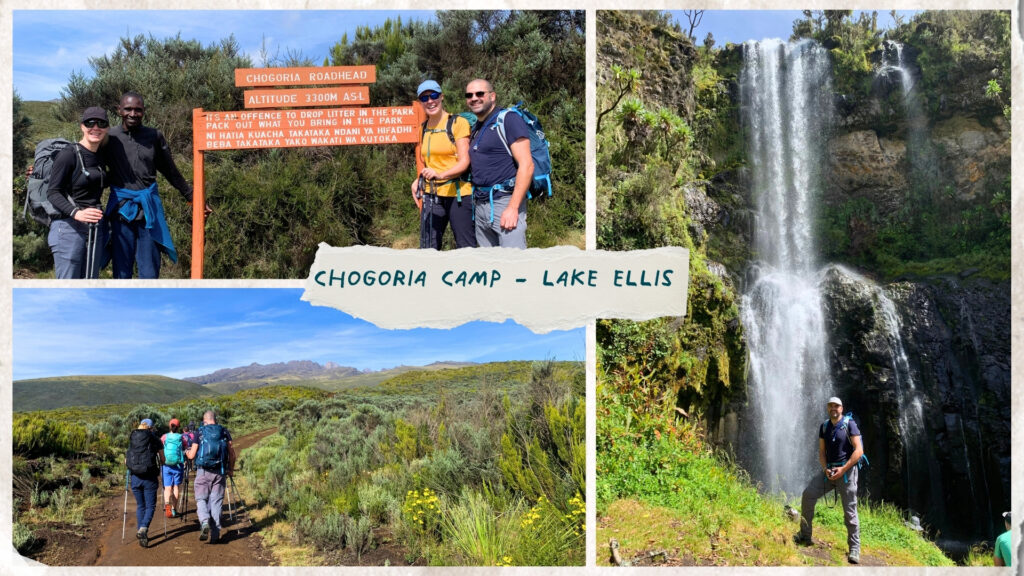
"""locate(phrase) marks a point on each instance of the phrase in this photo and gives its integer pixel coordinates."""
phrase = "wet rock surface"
(955, 333)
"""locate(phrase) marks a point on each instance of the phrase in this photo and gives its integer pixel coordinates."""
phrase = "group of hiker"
(475, 171)
(131, 231)
(169, 459)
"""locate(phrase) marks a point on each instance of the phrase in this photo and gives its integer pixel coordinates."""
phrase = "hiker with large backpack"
(440, 191)
(841, 455)
(65, 186)
(509, 158)
(215, 460)
(143, 459)
(173, 470)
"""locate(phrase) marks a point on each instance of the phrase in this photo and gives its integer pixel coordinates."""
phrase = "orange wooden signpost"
(294, 126)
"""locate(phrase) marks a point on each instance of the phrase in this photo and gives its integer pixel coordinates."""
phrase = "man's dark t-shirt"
(490, 162)
(838, 443)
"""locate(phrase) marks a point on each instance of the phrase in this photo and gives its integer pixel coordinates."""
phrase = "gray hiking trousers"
(818, 487)
(209, 489)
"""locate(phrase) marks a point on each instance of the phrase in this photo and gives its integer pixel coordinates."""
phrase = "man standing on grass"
(138, 228)
(839, 450)
(215, 460)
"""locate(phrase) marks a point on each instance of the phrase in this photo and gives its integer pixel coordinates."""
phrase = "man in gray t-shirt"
(839, 450)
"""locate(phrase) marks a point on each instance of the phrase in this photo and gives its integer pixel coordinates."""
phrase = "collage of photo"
(838, 392)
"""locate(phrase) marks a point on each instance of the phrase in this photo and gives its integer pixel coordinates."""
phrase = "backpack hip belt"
(506, 186)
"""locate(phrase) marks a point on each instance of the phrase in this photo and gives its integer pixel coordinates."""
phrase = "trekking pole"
(90, 252)
(124, 519)
(248, 517)
(163, 500)
(227, 487)
(421, 194)
(184, 495)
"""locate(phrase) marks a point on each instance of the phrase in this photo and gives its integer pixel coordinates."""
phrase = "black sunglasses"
(92, 123)
(429, 96)
(479, 94)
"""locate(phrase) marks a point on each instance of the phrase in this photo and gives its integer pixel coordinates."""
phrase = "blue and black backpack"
(539, 148)
(844, 424)
(213, 448)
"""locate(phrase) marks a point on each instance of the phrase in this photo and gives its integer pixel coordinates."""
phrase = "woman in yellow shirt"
(442, 158)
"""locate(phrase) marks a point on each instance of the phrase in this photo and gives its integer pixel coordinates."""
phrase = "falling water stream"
(786, 92)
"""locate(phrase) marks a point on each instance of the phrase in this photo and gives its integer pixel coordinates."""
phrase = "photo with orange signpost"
(348, 128)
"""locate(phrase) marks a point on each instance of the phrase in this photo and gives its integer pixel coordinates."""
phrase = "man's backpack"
(213, 447)
(172, 448)
(539, 148)
(39, 182)
(844, 423)
(141, 459)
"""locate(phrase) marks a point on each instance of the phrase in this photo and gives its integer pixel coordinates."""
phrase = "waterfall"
(786, 107)
(896, 64)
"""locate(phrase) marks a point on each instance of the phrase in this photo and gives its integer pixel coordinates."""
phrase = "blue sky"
(49, 45)
(189, 332)
(738, 26)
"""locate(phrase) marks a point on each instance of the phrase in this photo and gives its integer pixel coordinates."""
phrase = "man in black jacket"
(138, 228)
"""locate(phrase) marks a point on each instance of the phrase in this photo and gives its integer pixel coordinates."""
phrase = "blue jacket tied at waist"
(152, 208)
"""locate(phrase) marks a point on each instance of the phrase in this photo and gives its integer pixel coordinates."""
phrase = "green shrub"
(377, 504)
(22, 538)
(359, 535)
(476, 534)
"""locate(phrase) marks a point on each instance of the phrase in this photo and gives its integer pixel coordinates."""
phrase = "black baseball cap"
(94, 113)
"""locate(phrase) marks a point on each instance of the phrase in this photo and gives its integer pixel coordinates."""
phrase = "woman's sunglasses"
(429, 96)
(94, 123)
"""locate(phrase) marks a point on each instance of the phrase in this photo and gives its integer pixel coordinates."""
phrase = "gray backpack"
(39, 182)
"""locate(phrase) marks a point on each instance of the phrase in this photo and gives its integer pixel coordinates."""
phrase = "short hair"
(490, 88)
(211, 415)
(132, 94)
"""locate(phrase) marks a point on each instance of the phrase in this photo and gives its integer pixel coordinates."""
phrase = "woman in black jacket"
(77, 179)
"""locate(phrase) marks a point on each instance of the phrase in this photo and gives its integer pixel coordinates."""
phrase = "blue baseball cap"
(427, 86)
(147, 422)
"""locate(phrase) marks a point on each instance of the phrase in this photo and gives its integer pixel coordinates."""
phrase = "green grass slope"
(661, 487)
(65, 391)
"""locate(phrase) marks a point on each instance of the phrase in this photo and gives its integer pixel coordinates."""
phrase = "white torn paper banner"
(542, 289)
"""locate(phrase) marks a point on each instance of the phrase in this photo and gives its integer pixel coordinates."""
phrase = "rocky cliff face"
(937, 435)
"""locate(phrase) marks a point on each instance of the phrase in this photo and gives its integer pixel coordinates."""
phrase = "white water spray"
(786, 91)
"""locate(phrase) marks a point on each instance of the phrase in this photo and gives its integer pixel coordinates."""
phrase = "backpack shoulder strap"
(448, 127)
(499, 123)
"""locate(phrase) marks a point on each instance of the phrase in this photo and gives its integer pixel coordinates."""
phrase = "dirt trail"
(239, 543)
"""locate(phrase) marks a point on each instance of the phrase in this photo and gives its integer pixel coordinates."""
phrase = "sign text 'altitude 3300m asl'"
(263, 125)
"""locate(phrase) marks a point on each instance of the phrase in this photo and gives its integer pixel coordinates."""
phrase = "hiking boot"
(143, 537)
(800, 540)
(204, 532)
(854, 557)
(167, 511)
(214, 536)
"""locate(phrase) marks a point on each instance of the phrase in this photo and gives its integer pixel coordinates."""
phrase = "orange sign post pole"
(198, 204)
(295, 126)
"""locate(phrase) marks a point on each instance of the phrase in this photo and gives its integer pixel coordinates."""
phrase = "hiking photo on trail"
(838, 392)
(243, 427)
(271, 193)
